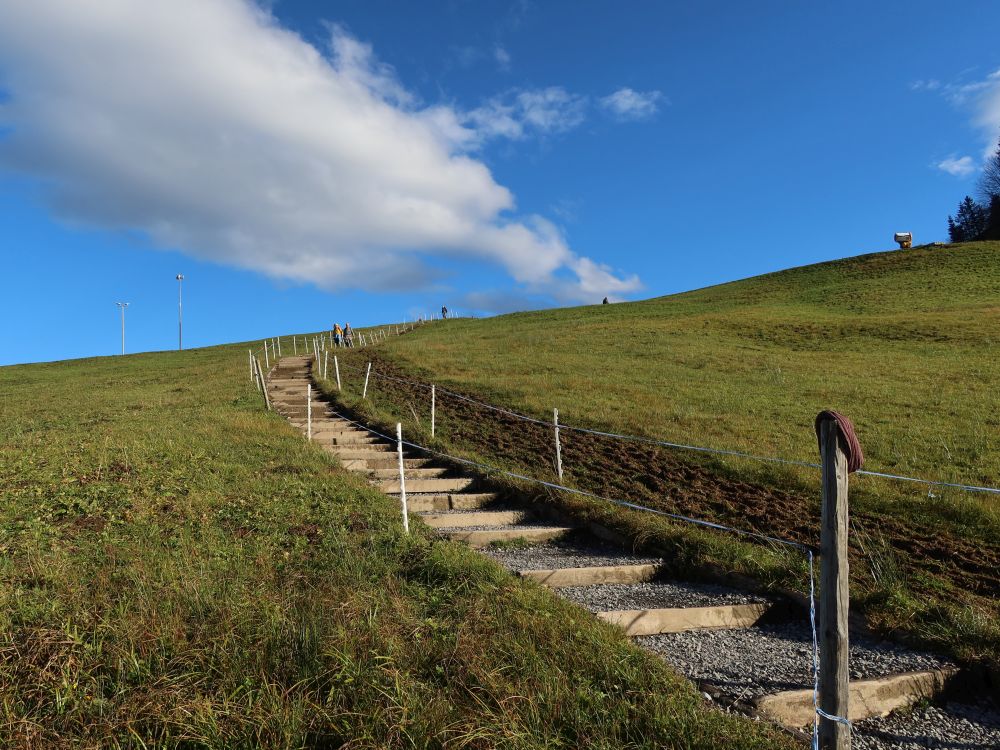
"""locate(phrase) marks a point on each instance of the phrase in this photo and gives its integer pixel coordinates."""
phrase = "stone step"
(361, 438)
(451, 484)
(478, 518)
(680, 619)
(592, 575)
(875, 696)
(484, 537)
(432, 473)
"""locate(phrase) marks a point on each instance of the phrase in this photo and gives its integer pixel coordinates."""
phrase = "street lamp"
(180, 318)
(122, 306)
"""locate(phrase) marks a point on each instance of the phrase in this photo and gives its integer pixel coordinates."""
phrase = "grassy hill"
(179, 568)
(905, 343)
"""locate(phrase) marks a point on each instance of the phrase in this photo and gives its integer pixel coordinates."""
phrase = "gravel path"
(655, 595)
(956, 726)
(752, 662)
(565, 554)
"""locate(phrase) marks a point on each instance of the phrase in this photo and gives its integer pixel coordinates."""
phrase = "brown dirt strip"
(664, 480)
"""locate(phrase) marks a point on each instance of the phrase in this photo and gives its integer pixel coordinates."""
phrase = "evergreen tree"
(993, 223)
(955, 233)
(970, 222)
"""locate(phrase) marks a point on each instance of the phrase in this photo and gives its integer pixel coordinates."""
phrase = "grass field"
(904, 343)
(178, 568)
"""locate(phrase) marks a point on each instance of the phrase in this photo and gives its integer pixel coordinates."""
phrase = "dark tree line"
(980, 220)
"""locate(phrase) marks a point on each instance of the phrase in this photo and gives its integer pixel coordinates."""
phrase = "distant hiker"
(338, 334)
(348, 335)
(444, 313)
(605, 301)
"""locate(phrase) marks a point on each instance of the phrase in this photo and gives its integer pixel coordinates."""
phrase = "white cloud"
(520, 113)
(981, 98)
(957, 166)
(206, 125)
(502, 57)
(628, 104)
(931, 84)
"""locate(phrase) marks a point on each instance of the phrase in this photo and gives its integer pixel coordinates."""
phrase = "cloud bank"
(211, 128)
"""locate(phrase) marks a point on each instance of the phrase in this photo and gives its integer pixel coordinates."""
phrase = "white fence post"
(309, 412)
(555, 422)
(364, 393)
(279, 346)
(336, 369)
(295, 346)
(326, 362)
(433, 399)
(267, 362)
(402, 477)
(263, 385)
(253, 375)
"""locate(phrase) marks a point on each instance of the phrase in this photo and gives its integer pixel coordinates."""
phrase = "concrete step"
(351, 454)
(476, 518)
(444, 501)
(484, 537)
(361, 438)
(411, 474)
(451, 484)
(593, 575)
(386, 463)
(875, 696)
(680, 619)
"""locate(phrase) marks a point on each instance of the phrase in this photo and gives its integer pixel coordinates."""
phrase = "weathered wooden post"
(555, 423)
(433, 399)
(336, 369)
(279, 345)
(402, 477)
(326, 362)
(253, 375)
(364, 392)
(295, 347)
(834, 674)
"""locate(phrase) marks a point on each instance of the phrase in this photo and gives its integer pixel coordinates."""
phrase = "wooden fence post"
(336, 369)
(326, 362)
(364, 392)
(309, 412)
(555, 423)
(433, 400)
(834, 675)
(253, 374)
(267, 362)
(279, 345)
(295, 346)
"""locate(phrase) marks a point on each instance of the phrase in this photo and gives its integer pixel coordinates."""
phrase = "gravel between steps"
(566, 554)
(952, 725)
(752, 662)
(655, 595)
(526, 525)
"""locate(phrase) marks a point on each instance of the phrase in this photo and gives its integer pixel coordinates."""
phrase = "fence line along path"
(747, 651)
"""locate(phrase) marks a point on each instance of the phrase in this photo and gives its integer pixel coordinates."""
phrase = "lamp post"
(180, 317)
(122, 306)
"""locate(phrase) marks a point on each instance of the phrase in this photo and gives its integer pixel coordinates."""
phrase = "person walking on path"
(348, 335)
(605, 301)
(444, 313)
(338, 334)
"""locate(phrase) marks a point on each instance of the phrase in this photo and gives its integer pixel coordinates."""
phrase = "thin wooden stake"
(279, 345)
(336, 369)
(263, 385)
(309, 412)
(433, 399)
(364, 393)
(253, 375)
(834, 642)
(267, 362)
(555, 423)
(402, 477)
(326, 362)
(295, 346)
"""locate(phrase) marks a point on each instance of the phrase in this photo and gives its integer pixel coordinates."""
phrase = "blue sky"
(366, 161)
